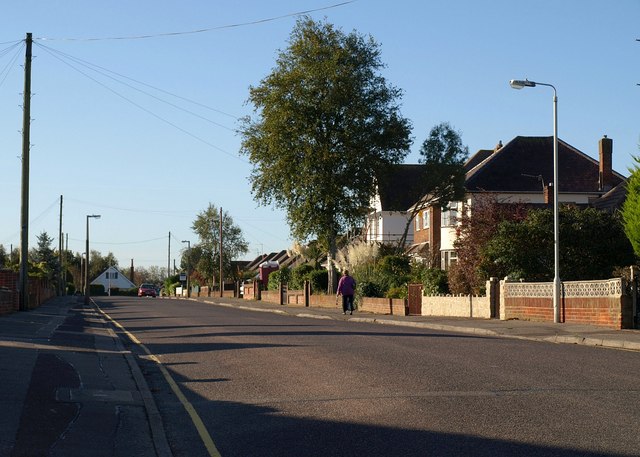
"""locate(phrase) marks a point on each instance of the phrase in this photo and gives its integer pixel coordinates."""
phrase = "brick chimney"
(606, 171)
(548, 190)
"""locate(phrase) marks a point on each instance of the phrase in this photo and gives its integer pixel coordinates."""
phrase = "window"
(447, 259)
(111, 275)
(425, 219)
(450, 215)
(417, 221)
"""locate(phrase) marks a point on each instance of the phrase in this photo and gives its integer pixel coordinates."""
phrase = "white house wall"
(538, 197)
(387, 227)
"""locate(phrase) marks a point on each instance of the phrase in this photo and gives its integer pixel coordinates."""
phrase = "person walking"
(346, 288)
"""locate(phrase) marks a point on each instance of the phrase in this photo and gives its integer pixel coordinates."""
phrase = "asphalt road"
(271, 385)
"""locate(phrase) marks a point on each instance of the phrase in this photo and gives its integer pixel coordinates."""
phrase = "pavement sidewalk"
(70, 389)
(588, 335)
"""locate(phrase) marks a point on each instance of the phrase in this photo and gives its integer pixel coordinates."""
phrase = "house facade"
(111, 278)
(521, 171)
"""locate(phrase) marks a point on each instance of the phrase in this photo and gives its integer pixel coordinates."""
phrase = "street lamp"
(86, 264)
(188, 266)
(519, 84)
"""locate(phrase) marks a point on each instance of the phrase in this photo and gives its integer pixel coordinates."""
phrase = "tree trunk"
(333, 284)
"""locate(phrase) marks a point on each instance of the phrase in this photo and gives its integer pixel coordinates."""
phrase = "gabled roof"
(612, 200)
(400, 186)
(477, 158)
(525, 163)
(120, 282)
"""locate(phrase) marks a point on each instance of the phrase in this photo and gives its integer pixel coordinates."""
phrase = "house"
(397, 190)
(111, 278)
(521, 171)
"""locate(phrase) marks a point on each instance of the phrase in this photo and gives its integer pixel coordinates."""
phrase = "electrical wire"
(132, 210)
(146, 110)
(93, 67)
(7, 68)
(13, 42)
(209, 29)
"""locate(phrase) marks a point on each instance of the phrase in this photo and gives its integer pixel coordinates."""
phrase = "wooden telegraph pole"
(24, 207)
(221, 279)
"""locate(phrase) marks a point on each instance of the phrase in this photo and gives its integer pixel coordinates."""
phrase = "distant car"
(147, 290)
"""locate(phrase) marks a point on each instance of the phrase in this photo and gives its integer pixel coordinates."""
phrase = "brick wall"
(9, 298)
(602, 303)
(39, 291)
(394, 306)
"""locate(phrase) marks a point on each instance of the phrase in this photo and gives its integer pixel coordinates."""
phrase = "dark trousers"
(347, 303)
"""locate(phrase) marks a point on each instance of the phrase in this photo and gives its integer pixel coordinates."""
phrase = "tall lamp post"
(519, 84)
(188, 266)
(86, 264)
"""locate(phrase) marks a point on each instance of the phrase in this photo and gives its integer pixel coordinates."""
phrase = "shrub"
(299, 275)
(97, 289)
(435, 281)
(369, 289)
(279, 276)
(397, 292)
(319, 280)
(396, 270)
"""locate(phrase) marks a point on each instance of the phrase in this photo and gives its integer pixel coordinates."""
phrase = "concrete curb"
(158, 436)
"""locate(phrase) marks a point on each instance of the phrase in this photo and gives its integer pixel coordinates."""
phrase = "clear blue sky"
(148, 167)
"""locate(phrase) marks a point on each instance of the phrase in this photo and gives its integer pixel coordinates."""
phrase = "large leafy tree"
(327, 122)
(443, 155)
(631, 208)
(204, 256)
(592, 245)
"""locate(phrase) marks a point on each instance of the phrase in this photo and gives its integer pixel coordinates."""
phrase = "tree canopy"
(631, 208)
(326, 122)
(204, 256)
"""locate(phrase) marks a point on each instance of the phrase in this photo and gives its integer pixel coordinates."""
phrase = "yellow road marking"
(193, 414)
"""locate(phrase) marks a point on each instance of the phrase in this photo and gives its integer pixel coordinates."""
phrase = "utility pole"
(66, 249)
(221, 279)
(24, 209)
(169, 258)
(60, 283)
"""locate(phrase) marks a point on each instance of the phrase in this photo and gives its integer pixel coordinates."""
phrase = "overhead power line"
(209, 29)
(96, 67)
(139, 106)
(102, 71)
(7, 68)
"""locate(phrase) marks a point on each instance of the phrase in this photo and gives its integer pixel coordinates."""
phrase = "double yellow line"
(193, 414)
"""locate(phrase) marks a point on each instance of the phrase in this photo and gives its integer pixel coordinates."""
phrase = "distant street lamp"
(86, 264)
(519, 84)
(188, 266)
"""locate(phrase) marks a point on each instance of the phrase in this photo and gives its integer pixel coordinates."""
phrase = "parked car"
(147, 290)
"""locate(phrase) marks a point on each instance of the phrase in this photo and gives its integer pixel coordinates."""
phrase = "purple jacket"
(346, 285)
